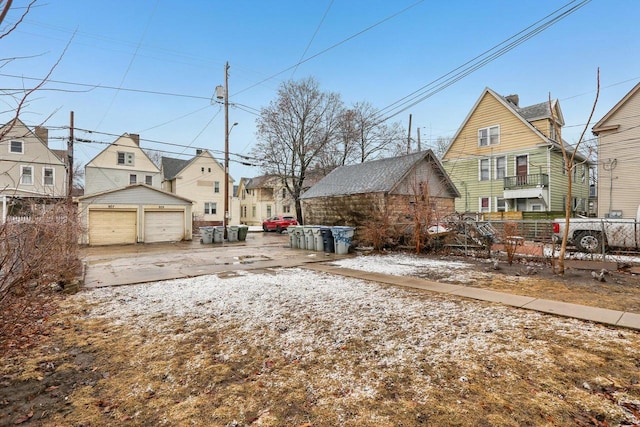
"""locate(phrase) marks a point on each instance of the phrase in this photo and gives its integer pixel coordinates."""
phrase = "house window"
(209, 170)
(47, 176)
(253, 211)
(501, 167)
(148, 179)
(125, 159)
(202, 169)
(501, 205)
(485, 204)
(244, 211)
(489, 136)
(537, 207)
(210, 208)
(286, 209)
(16, 147)
(133, 179)
(269, 211)
(484, 173)
(26, 175)
(216, 187)
(284, 193)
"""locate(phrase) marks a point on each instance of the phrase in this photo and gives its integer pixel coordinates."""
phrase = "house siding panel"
(617, 188)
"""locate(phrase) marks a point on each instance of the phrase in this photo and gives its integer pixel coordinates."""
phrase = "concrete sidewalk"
(134, 264)
(577, 311)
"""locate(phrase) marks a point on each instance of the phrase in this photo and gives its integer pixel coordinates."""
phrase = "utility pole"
(409, 137)
(70, 162)
(226, 148)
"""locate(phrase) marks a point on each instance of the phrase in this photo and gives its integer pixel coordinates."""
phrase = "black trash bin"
(327, 239)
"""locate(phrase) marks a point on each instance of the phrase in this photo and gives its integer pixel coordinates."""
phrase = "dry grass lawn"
(299, 348)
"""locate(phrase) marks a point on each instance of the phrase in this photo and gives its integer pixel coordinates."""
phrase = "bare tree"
(441, 145)
(569, 158)
(294, 131)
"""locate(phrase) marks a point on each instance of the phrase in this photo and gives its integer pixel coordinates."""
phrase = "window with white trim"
(125, 158)
(26, 175)
(536, 207)
(484, 170)
(148, 179)
(253, 211)
(216, 187)
(133, 179)
(210, 208)
(286, 209)
(269, 210)
(16, 147)
(484, 204)
(47, 176)
(489, 136)
(501, 204)
(501, 167)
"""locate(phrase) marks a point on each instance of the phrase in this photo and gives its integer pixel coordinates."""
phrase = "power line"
(475, 63)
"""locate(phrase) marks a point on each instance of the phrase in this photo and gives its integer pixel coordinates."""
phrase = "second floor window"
(484, 170)
(216, 187)
(16, 147)
(47, 176)
(489, 136)
(133, 179)
(26, 175)
(125, 159)
(286, 209)
(269, 211)
(148, 180)
(210, 208)
(501, 167)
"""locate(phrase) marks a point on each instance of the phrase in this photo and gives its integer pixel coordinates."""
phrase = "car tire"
(589, 241)
(264, 228)
(278, 229)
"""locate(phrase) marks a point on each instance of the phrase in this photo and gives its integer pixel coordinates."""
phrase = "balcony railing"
(526, 181)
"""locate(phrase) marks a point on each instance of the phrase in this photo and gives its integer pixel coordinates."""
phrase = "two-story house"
(30, 172)
(505, 157)
(619, 157)
(262, 197)
(122, 163)
(200, 179)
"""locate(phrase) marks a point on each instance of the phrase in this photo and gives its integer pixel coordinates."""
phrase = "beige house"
(263, 197)
(619, 157)
(505, 157)
(200, 179)
(30, 172)
(121, 164)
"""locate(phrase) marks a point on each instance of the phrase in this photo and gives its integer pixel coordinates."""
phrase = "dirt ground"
(78, 370)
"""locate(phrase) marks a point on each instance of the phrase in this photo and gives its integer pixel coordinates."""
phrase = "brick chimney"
(42, 133)
(135, 137)
(514, 99)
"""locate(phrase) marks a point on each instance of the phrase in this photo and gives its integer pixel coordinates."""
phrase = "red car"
(278, 223)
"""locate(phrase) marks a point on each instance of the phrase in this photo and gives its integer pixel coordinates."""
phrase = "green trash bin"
(242, 232)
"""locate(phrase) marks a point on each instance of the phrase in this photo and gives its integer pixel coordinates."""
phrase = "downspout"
(549, 175)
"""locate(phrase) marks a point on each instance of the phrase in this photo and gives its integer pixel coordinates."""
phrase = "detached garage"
(134, 214)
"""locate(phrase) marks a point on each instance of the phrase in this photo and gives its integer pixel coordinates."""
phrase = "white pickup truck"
(597, 234)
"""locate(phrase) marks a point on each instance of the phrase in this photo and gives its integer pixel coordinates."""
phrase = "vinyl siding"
(617, 189)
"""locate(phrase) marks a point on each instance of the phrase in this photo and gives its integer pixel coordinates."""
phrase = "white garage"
(112, 227)
(163, 226)
(134, 214)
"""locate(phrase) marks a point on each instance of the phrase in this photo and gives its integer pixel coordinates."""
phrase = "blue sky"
(375, 51)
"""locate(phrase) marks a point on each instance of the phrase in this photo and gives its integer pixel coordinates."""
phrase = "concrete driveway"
(131, 264)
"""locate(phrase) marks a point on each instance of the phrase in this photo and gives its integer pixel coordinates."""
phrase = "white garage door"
(163, 226)
(111, 227)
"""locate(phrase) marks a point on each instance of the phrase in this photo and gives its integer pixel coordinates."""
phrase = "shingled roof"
(377, 176)
(172, 167)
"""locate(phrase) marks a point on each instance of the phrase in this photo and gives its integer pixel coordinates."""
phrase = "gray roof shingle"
(172, 167)
(376, 176)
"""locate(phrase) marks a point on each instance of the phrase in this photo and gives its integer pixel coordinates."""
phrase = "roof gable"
(134, 188)
(524, 115)
(602, 124)
(124, 142)
(376, 176)
(16, 129)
